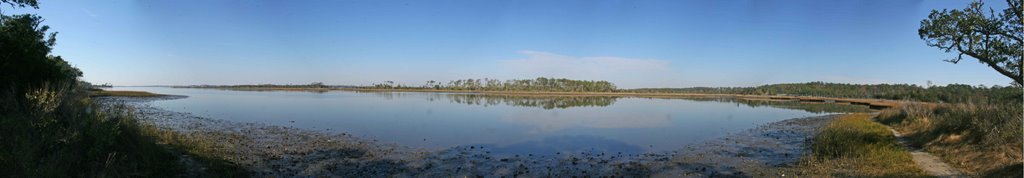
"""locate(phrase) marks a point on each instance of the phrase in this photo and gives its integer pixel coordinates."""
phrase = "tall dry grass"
(980, 139)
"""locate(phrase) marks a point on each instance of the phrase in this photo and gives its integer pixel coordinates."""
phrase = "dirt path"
(931, 164)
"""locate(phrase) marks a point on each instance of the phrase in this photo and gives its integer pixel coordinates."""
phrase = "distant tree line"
(538, 84)
(953, 93)
(313, 85)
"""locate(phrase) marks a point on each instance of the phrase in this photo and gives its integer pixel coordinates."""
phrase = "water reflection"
(813, 107)
(566, 144)
(555, 120)
(528, 123)
(563, 102)
(546, 102)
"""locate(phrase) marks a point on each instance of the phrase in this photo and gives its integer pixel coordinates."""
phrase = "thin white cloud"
(89, 13)
(616, 69)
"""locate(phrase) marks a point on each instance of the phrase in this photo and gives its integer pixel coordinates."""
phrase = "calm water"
(505, 124)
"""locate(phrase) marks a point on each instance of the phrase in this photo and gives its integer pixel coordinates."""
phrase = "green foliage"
(953, 93)
(539, 84)
(995, 39)
(26, 61)
(48, 125)
(70, 136)
(854, 135)
(21, 3)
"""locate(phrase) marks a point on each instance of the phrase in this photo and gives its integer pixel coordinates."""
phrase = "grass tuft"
(855, 146)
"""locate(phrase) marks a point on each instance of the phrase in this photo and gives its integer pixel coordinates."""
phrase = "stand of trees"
(49, 127)
(538, 84)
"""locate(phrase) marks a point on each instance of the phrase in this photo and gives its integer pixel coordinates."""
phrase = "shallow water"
(503, 124)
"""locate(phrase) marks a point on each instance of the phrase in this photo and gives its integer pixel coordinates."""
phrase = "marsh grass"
(96, 93)
(59, 132)
(855, 146)
(981, 139)
(205, 154)
(70, 136)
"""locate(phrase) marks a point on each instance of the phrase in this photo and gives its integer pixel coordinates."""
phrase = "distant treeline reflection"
(563, 102)
(813, 107)
(546, 102)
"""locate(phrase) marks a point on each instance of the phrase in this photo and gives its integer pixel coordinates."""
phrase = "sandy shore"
(278, 151)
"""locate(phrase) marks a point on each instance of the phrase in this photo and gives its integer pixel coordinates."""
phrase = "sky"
(631, 43)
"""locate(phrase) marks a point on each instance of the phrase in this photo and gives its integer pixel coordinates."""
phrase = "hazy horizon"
(634, 44)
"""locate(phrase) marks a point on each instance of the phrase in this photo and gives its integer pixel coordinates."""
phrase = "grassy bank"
(980, 139)
(855, 146)
(96, 93)
(63, 133)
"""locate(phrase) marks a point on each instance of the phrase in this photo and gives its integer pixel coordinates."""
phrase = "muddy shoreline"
(280, 151)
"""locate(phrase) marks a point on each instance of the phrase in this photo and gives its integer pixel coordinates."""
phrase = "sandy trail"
(931, 164)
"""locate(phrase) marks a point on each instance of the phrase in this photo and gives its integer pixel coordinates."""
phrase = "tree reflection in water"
(546, 102)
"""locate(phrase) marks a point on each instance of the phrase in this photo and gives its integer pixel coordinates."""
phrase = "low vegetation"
(99, 93)
(205, 156)
(855, 146)
(980, 139)
(71, 136)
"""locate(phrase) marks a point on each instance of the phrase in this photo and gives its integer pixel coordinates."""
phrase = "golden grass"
(124, 93)
(855, 146)
(980, 140)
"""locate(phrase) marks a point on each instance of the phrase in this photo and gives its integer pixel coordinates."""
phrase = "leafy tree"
(25, 60)
(993, 38)
(20, 3)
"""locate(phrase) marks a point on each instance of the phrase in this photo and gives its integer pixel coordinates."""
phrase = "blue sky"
(631, 43)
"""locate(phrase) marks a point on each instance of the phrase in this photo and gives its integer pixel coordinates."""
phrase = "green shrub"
(78, 138)
(854, 136)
